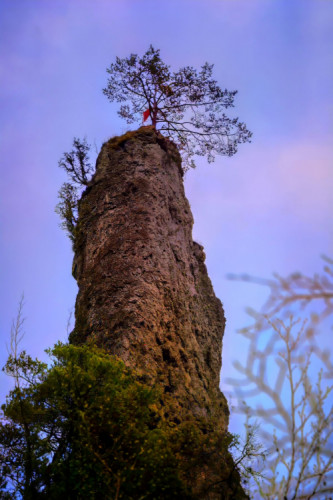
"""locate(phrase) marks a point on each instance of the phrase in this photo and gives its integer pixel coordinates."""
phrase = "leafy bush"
(84, 428)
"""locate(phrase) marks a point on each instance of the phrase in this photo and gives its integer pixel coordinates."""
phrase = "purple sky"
(266, 209)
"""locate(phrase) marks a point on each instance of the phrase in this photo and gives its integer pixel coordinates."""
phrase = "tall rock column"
(144, 291)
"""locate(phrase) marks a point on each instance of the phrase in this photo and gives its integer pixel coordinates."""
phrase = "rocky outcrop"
(144, 291)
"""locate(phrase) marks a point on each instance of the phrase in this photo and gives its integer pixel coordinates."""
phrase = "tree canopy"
(187, 105)
(84, 428)
(87, 427)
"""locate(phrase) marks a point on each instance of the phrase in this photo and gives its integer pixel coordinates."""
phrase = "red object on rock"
(146, 115)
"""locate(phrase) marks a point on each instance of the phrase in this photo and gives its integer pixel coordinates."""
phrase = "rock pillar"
(144, 291)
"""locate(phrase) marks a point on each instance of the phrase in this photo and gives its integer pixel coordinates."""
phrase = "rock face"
(144, 291)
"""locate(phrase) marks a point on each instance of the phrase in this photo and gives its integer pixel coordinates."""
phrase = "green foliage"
(67, 208)
(84, 428)
(187, 105)
(87, 427)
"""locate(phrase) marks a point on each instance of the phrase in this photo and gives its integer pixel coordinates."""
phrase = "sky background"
(266, 209)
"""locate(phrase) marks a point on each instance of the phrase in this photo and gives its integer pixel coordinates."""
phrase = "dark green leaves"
(84, 428)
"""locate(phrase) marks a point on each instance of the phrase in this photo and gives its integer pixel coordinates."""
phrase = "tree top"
(187, 105)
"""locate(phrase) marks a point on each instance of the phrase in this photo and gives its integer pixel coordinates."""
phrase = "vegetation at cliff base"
(84, 428)
(186, 105)
(87, 427)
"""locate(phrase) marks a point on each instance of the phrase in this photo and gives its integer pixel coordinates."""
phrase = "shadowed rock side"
(144, 291)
